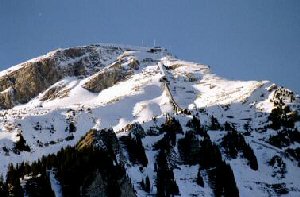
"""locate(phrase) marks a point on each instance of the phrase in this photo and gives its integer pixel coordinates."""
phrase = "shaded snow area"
(158, 85)
(55, 186)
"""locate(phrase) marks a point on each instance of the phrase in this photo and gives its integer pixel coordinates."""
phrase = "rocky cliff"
(33, 77)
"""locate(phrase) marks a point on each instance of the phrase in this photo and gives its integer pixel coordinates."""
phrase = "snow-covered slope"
(111, 86)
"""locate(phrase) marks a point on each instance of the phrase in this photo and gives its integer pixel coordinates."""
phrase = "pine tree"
(228, 126)
(249, 154)
(281, 116)
(3, 187)
(230, 188)
(209, 154)
(135, 149)
(215, 125)
(143, 184)
(189, 148)
(13, 182)
(21, 144)
(171, 125)
(166, 184)
(195, 125)
(147, 185)
(234, 143)
(222, 181)
(72, 127)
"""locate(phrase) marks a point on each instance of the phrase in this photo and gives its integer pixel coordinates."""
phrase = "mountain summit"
(137, 121)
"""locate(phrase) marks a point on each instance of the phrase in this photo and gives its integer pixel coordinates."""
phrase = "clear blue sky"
(254, 39)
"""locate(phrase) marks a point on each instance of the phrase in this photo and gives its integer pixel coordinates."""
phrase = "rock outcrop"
(58, 91)
(35, 76)
(107, 78)
(28, 81)
(105, 139)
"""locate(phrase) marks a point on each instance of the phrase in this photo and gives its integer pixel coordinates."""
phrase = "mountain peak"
(26, 80)
(167, 109)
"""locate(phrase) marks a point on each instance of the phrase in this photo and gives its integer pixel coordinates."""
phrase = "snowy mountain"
(160, 125)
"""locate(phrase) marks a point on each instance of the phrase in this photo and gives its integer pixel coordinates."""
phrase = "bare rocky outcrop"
(107, 78)
(28, 81)
(135, 130)
(58, 91)
(35, 76)
(105, 139)
(6, 97)
(118, 71)
(134, 64)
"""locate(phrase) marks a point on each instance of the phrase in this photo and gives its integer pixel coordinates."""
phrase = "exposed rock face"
(105, 139)
(135, 130)
(107, 77)
(28, 81)
(58, 91)
(134, 64)
(36, 76)
(6, 97)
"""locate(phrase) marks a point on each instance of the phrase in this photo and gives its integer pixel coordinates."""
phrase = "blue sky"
(244, 40)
